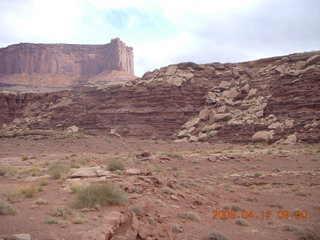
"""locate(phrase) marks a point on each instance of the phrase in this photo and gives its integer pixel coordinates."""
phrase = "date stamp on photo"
(262, 214)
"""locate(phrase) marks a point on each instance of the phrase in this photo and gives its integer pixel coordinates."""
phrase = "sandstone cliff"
(187, 102)
(61, 65)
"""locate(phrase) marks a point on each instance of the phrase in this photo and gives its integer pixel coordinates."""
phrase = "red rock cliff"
(61, 65)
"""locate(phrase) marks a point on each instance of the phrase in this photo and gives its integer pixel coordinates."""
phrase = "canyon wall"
(227, 102)
(61, 65)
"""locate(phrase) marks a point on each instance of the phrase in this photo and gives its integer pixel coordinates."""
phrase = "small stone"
(22, 236)
(133, 171)
(174, 197)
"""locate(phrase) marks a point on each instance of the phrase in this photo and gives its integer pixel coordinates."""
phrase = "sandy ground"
(261, 183)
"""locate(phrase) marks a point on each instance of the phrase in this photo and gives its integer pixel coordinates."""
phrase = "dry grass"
(190, 215)
(115, 164)
(28, 190)
(58, 170)
(6, 208)
(99, 195)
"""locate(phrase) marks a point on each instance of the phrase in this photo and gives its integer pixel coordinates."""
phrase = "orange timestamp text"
(262, 214)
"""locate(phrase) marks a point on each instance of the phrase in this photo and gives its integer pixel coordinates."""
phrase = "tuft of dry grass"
(28, 190)
(115, 164)
(6, 208)
(58, 170)
(190, 216)
(99, 194)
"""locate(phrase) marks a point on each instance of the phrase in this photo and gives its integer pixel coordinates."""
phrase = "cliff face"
(189, 102)
(61, 65)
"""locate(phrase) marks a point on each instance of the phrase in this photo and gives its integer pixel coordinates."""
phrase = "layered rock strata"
(61, 65)
(188, 102)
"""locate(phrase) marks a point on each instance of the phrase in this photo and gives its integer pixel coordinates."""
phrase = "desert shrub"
(214, 236)
(176, 228)
(115, 164)
(6, 208)
(43, 182)
(4, 170)
(41, 202)
(99, 194)
(78, 220)
(136, 209)
(190, 215)
(51, 220)
(167, 190)
(63, 212)
(13, 197)
(57, 170)
(28, 190)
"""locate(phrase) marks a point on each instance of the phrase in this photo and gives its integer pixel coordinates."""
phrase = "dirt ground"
(240, 191)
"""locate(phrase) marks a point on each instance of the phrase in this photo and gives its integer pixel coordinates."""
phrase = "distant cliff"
(61, 65)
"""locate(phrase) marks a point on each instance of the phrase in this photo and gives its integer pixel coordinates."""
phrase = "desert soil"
(253, 180)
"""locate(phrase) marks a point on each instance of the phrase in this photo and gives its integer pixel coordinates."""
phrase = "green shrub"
(115, 164)
(6, 208)
(57, 170)
(99, 194)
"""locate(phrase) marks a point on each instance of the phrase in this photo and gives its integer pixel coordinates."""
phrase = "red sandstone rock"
(62, 65)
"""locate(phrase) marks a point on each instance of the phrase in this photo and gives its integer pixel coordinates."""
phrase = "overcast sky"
(163, 32)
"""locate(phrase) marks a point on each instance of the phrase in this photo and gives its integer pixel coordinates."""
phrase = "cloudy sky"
(163, 32)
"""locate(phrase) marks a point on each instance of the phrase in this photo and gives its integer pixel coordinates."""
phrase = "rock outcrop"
(187, 102)
(56, 66)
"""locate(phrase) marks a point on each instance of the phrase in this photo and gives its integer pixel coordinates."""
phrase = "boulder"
(224, 84)
(222, 109)
(177, 81)
(88, 172)
(300, 65)
(291, 139)
(204, 114)
(222, 117)
(182, 140)
(263, 136)
(252, 92)
(22, 236)
(312, 60)
(202, 136)
(210, 128)
(288, 123)
(212, 133)
(114, 132)
(171, 70)
(191, 123)
(193, 139)
(132, 171)
(73, 129)
(231, 94)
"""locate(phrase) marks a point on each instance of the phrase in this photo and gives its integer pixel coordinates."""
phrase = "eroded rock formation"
(62, 65)
(189, 102)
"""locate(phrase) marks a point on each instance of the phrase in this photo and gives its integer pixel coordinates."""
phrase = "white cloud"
(169, 31)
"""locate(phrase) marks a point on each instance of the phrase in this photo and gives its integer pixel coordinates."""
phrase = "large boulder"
(263, 136)
(191, 123)
(291, 139)
(312, 60)
(204, 114)
(222, 117)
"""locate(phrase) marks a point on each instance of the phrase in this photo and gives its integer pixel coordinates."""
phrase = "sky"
(164, 32)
